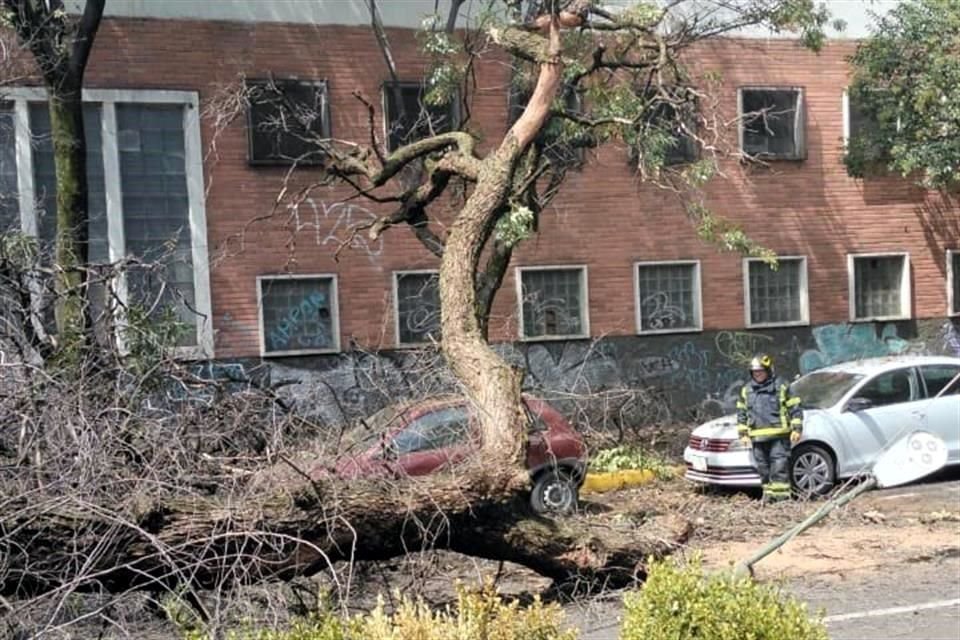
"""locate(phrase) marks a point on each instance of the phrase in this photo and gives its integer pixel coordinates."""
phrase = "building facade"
(615, 293)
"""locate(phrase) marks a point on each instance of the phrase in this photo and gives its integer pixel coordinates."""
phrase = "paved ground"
(911, 591)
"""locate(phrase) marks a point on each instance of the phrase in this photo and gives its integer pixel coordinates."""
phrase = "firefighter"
(770, 419)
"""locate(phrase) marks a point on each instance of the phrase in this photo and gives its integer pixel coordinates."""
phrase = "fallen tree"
(111, 484)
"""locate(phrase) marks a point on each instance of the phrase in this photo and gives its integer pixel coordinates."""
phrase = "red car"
(421, 438)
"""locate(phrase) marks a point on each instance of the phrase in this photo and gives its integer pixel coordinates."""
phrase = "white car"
(852, 411)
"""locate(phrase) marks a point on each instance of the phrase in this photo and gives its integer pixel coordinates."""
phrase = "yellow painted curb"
(614, 480)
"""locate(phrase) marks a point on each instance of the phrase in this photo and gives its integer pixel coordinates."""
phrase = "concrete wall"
(622, 383)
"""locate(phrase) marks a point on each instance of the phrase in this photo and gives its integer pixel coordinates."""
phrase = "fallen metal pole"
(746, 566)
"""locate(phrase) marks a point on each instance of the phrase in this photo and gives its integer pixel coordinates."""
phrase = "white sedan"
(852, 412)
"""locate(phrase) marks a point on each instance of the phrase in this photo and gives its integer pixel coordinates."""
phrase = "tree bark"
(488, 380)
(72, 239)
(303, 528)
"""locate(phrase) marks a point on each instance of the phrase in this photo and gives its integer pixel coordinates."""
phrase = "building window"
(854, 120)
(298, 314)
(146, 198)
(286, 121)
(771, 123)
(879, 286)
(9, 204)
(409, 118)
(668, 297)
(953, 282)
(559, 151)
(675, 122)
(553, 302)
(417, 297)
(776, 297)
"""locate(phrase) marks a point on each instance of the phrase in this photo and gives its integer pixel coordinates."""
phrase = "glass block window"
(298, 315)
(145, 189)
(156, 209)
(45, 179)
(9, 194)
(777, 296)
(418, 307)
(668, 296)
(772, 123)
(953, 282)
(880, 287)
(554, 302)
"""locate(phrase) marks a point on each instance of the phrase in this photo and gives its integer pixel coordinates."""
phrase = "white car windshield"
(823, 389)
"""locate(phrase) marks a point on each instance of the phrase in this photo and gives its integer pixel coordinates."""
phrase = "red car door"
(432, 439)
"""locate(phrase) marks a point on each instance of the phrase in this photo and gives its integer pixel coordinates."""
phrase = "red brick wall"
(603, 217)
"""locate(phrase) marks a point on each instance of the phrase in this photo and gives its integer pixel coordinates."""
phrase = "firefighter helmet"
(762, 362)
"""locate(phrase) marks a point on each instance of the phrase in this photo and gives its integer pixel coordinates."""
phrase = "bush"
(629, 457)
(678, 602)
(479, 615)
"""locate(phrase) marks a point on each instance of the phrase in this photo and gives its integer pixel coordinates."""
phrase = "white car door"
(943, 409)
(885, 408)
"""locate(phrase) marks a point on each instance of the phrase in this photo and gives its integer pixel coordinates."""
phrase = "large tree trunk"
(300, 528)
(488, 380)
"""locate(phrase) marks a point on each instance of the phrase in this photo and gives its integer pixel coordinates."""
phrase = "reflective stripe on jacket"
(768, 410)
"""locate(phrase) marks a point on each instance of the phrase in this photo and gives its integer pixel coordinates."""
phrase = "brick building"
(868, 266)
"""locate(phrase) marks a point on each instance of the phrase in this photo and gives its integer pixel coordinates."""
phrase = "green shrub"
(630, 457)
(478, 615)
(678, 602)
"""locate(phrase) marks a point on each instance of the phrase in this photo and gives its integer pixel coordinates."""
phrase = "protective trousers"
(772, 459)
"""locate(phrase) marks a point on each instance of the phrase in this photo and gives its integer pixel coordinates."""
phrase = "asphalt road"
(911, 599)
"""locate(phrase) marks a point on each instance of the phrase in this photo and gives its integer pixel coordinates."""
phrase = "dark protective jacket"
(768, 410)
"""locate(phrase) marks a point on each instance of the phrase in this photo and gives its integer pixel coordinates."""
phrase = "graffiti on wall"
(336, 224)
(618, 382)
(842, 342)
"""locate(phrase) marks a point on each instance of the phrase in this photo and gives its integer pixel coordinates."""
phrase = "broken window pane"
(560, 152)
(410, 119)
(772, 123)
(286, 121)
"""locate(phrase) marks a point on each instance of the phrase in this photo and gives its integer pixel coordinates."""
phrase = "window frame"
(845, 108)
(953, 305)
(334, 313)
(916, 385)
(385, 86)
(923, 378)
(584, 302)
(325, 122)
(799, 122)
(21, 97)
(906, 294)
(804, 295)
(395, 281)
(697, 288)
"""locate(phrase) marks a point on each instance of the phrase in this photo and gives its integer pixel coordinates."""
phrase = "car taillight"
(715, 445)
